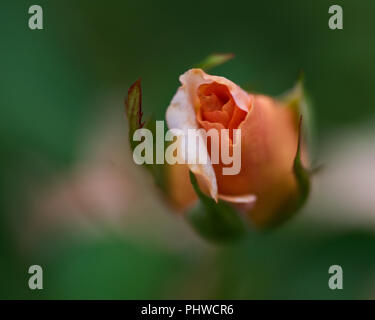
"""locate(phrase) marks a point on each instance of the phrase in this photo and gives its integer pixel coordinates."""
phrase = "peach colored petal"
(181, 191)
(193, 78)
(244, 203)
(269, 142)
(181, 114)
(247, 198)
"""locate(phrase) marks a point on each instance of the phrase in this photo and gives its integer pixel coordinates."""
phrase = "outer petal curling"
(181, 114)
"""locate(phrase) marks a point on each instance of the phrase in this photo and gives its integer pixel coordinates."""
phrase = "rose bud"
(267, 187)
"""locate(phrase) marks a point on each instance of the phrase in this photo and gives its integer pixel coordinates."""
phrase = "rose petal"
(247, 198)
(193, 78)
(181, 114)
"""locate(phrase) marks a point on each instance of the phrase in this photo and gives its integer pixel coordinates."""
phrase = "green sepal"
(297, 100)
(295, 97)
(157, 170)
(301, 174)
(303, 179)
(217, 222)
(214, 60)
(134, 113)
(133, 109)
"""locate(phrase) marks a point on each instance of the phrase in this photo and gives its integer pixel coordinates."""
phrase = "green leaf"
(217, 222)
(214, 60)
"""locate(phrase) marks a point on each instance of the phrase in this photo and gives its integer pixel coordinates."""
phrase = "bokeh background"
(72, 200)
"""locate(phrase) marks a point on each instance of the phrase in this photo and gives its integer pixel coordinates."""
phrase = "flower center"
(217, 106)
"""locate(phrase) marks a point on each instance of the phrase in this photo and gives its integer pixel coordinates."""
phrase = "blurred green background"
(72, 201)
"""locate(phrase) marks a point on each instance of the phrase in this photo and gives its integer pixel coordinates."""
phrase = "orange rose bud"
(266, 184)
